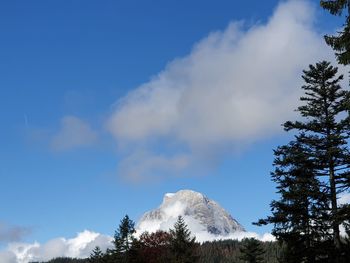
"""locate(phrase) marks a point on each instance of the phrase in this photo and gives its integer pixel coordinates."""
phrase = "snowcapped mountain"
(202, 215)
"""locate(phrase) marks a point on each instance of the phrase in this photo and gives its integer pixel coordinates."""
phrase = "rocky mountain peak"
(199, 212)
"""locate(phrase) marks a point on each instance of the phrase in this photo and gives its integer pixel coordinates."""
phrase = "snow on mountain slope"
(205, 218)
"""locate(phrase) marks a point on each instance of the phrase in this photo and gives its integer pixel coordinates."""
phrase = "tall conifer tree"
(314, 170)
(182, 245)
(251, 251)
(326, 128)
(300, 213)
(96, 256)
(123, 241)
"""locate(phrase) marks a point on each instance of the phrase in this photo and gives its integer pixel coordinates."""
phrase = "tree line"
(177, 245)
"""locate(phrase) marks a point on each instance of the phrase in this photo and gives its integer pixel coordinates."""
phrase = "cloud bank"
(236, 87)
(77, 247)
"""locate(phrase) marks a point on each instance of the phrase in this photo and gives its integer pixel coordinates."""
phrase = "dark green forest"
(209, 252)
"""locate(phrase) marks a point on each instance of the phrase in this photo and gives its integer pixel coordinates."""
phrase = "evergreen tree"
(326, 133)
(313, 170)
(96, 256)
(123, 241)
(302, 210)
(182, 246)
(341, 42)
(251, 251)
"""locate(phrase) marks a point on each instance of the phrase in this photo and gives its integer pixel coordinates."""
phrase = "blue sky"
(73, 77)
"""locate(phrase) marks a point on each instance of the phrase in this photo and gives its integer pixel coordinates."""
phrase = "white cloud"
(7, 257)
(235, 87)
(344, 199)
(73, 133)
(205, 236)
(77, 247)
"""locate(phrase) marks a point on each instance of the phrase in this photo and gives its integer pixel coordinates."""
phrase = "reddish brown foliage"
(155, 246)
